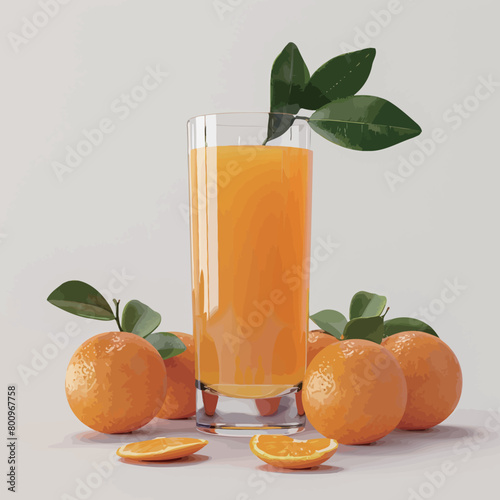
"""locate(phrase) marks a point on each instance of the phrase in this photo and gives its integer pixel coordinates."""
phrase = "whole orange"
(354, 392)
(433, 377)
(180, 400)
(115, 382)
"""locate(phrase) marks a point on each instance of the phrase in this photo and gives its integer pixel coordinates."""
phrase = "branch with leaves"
(81, 299)
(366, 320)
(360, 122)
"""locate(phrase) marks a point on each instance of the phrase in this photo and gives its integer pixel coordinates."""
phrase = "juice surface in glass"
(250, 240)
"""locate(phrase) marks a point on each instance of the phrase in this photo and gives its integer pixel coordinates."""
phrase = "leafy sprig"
(367, 320)
(360, 122)
(81, 299)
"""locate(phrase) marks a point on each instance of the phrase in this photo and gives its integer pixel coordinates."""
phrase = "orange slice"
(161, 448)
(289, 453)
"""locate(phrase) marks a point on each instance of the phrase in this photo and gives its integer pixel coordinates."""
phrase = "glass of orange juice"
(250, 218)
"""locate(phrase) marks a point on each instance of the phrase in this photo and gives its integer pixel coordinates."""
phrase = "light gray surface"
(121, 211)
(226, 469)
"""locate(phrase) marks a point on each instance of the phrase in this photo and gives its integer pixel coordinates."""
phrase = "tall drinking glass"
(250, 213)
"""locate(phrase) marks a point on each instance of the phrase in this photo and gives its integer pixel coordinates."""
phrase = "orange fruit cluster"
(354, 392)
(357, 391)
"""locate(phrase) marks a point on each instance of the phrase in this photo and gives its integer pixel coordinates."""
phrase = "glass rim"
(226, 113)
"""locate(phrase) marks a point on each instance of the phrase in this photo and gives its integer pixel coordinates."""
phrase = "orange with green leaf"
(119, 381)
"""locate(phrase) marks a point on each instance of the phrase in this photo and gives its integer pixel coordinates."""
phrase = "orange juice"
(250, 249)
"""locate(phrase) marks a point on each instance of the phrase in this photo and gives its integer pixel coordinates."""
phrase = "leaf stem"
(386, 311)
(117, 315)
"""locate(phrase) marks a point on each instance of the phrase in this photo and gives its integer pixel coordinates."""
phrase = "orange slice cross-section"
(161, 448)
(289, 453)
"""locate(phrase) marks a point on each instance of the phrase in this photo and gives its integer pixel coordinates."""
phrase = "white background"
(121, 210)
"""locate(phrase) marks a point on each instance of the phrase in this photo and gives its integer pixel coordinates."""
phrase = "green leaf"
(398, 325)
(140, 319)
(341, 76)
(365, 328)
(167, 344)
(277, 125)
(289, 76)
(333, 322)
(364, 123)
(364, 304)
(77, 297)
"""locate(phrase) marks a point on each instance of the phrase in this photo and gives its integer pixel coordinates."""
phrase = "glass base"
(245, 417)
